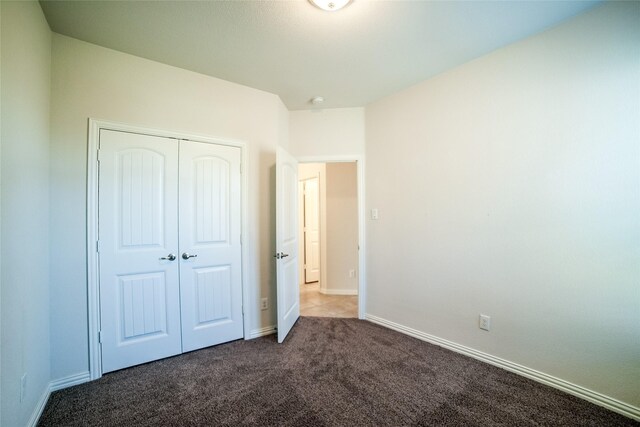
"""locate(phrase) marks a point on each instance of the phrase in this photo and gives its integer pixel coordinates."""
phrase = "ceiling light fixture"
(317, 100)
(330, 5)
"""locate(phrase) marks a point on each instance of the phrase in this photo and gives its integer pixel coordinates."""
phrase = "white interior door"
(138, 248)
(311, 230)
(210, 251)
(287, 242)
(301, 231)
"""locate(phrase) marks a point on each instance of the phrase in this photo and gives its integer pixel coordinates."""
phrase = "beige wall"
(91, 81)
(510, 186)
(332, 132)
(24, 253)
(342, 228)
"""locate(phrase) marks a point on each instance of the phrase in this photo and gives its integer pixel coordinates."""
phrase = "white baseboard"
(69, 381)
(560, 384)
(59, 384)
(37, 411)
(339, 291)
(267, 330)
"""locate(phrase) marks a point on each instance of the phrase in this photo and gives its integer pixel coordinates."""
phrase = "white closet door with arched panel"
(210, 251)
(138, 247)
(169, 247)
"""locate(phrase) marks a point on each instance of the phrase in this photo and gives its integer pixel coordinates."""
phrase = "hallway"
(313, 303)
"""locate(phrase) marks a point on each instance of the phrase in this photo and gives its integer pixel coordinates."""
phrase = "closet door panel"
(138, 229)
(210, 251)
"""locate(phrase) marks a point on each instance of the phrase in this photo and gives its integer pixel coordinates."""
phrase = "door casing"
(93, 294)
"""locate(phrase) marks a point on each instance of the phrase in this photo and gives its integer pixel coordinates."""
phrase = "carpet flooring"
(329, 372)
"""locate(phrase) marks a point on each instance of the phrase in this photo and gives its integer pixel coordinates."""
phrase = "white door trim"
(93, 294)
(362, 267)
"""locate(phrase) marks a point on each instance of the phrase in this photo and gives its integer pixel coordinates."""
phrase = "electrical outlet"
(352, 273)
(485, 322)
(374, 213)
(23, 386)
(264, 304)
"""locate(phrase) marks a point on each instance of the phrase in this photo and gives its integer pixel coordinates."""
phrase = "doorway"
(328, 244)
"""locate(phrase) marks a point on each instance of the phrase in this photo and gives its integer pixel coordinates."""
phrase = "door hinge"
(98, 246)
(240, 167)
(100, 337)
(99, 155)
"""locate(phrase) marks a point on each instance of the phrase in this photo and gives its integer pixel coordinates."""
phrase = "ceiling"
(351, 57)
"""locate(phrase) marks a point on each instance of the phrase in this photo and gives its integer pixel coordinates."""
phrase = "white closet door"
(138, 230)
(210, 251)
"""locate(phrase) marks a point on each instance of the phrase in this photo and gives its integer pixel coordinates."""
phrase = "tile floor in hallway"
(313, 303)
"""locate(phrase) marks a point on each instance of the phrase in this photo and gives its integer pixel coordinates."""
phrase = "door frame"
(93, 273)
(362, 267)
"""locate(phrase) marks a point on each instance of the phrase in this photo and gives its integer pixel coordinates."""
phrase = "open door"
(288, 294)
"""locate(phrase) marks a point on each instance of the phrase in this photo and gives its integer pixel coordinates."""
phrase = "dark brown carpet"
(329, 372)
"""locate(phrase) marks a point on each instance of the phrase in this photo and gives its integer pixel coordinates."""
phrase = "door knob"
(169, 257)
(187, 256)
(280, 255)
